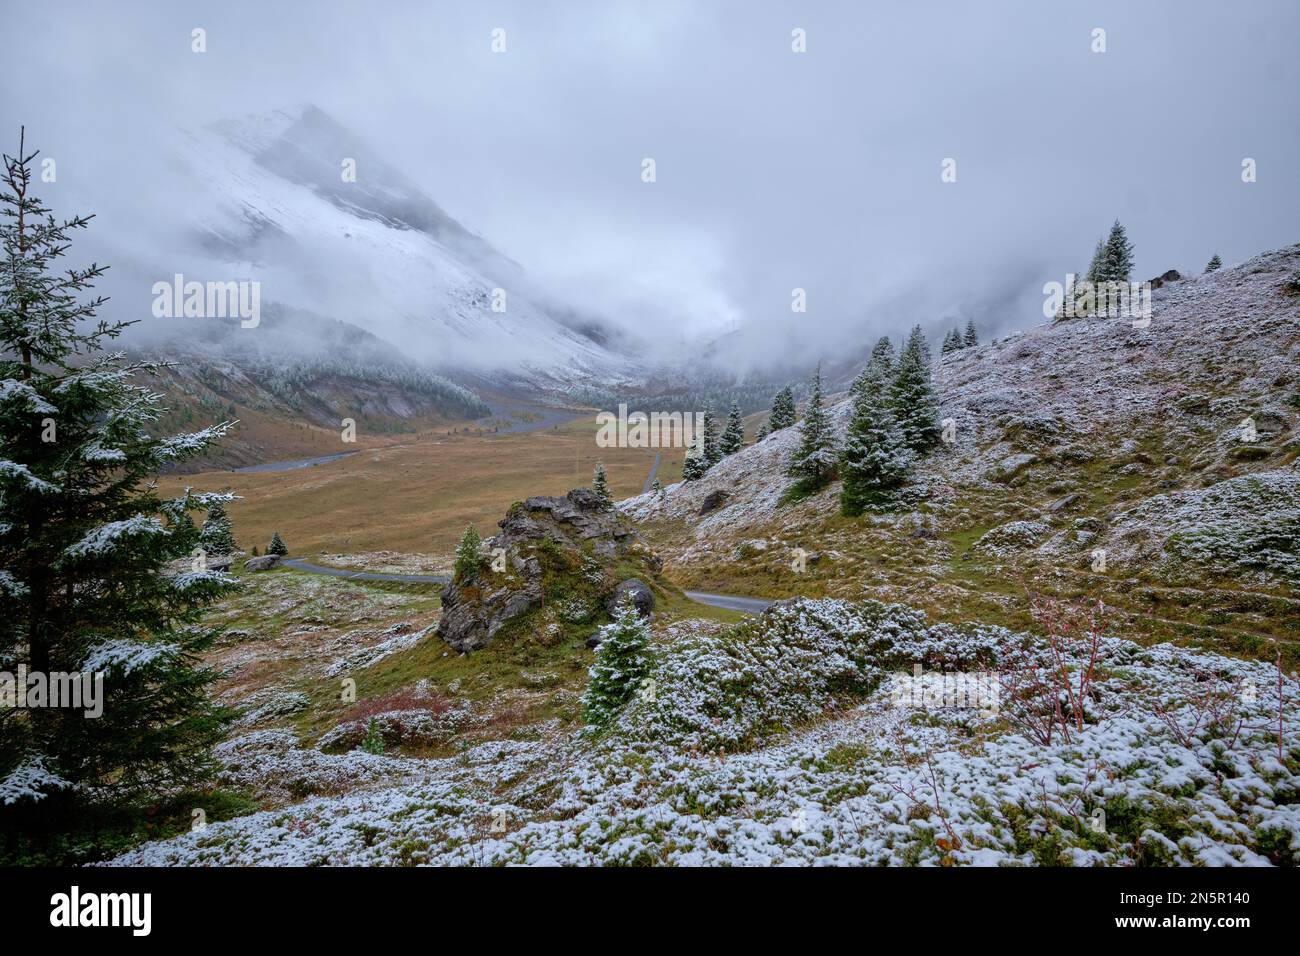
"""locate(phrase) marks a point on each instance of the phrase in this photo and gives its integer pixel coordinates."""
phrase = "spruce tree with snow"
(813, 464)
(694, 465)
(971, 339)
(783, 410)
(712, 442)
(622, 663)
(657, 488)
(599, 483)
(763, 432)
(277, 545)
(911, 395)
(1097, 267)
(1214, 265)
(1118, 260)
(216, 536)
(880, 363)
(99, 574)
(951, 342)
(875, 456)
(733, 436)
(882, 356)
(469, 553)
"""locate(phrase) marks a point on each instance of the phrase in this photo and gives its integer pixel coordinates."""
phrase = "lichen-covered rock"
(264, 563)
(1246, 524)
(1012, 466)
(566, 549)
(1012, 537)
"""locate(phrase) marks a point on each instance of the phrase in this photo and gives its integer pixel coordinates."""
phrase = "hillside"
(795, 736)
(1071, 437)
(776, 741)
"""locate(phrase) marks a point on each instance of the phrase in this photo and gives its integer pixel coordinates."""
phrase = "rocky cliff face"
(562, 556)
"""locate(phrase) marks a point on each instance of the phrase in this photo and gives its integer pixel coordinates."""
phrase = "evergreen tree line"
(894, 421)
(956, 339)
(710, 446)
(1112, 261)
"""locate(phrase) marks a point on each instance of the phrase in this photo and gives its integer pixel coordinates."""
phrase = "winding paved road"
(300, 565)
(295, 464)
(654, 470)
(732, 602)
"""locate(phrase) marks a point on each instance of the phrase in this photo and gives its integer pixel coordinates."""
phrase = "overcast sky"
(775, 169)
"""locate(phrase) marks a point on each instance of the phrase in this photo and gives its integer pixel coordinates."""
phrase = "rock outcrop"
(571, 552)
(634, 590)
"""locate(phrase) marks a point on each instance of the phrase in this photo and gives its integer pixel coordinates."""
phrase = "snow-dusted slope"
(1071, 439)
(270, 202)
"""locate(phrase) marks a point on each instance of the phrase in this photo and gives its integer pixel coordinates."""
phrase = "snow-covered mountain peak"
(295, 200)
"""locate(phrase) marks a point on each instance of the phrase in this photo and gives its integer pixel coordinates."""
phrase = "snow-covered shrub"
(734, 690)
(416, 727)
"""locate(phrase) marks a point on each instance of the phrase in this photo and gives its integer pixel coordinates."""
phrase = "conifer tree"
(912, 397)
(875, 456)
(599, 483)
(469, 553)
(882, 356)
(1097, 267)
(694, 466)
(783, 410)
(657, 488)
(216, 536)
(712, 444)
(880, 364)
(277, 545)
(733, 436)
(1118, 259)
(951, 342)
(763, 432)
(971, 338)
(814, 461)
(622, 663)
(1214, 265)
(99, 574)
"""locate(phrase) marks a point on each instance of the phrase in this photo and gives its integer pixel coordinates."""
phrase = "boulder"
(265, 563)
(634, 590)
(712, 501)
(1060, 504)
(1012, 466)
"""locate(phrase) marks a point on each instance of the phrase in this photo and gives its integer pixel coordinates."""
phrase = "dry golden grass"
(418, 496)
